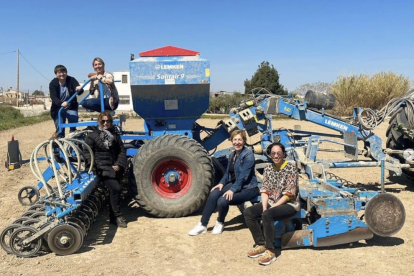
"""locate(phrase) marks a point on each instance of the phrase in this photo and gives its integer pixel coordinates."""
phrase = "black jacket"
(106, 158)
(54, 91)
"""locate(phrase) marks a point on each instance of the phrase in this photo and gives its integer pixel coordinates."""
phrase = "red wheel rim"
(160, 183)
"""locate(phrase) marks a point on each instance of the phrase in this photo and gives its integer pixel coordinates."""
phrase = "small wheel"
(28, 213)
(99, 195)
(37, 207)
(103, 195)
(93, 206)
(21, 220)
(385, 215)
(22, 248)
(88, 211)
(95, 200)
(31, 222)
(45, 246)
(45, 224)
(82, 234)
(28, 195)
(38, 215)
(64, 239)
(84, 218)
(79, 223)
(5, 237)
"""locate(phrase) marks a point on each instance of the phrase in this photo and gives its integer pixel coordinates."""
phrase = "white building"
(122, 83)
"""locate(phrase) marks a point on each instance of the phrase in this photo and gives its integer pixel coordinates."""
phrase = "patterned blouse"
(283, 181)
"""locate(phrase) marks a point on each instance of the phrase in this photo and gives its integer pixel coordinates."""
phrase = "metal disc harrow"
(59, 220)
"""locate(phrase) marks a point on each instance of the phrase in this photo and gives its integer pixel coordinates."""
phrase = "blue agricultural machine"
(174, 161)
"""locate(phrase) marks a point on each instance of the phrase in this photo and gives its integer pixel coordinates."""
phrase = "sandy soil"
(152, 246)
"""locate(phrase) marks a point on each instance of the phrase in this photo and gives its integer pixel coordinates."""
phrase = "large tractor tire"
(397, 140)
(174, 175)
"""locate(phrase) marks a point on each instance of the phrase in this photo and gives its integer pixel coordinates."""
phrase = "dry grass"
(367, 91)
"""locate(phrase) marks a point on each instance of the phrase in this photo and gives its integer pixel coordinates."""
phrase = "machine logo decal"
(168, 76)
(335, 124)
(169, 66)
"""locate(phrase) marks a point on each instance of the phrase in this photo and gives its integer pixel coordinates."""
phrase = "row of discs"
(19, 238)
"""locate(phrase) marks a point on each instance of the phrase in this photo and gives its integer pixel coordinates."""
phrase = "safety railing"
(86, 123)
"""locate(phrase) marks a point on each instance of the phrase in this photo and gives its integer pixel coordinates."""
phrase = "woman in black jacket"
(110, 162)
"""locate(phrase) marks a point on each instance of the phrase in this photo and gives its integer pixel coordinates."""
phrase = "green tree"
(223, 103)
(267, 77)
(38, 93)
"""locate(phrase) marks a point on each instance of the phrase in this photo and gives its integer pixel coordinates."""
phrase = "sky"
(306, 41)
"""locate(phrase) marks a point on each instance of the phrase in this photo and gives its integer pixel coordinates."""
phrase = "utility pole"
(18, 76)
(18, 69)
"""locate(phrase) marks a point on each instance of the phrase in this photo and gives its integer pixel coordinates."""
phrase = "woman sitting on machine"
(280, 200)
(238, 185)
(110, 93)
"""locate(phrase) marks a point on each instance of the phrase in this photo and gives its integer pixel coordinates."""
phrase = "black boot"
(121, 222)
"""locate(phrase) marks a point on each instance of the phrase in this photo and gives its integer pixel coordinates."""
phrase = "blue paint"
(169, 70)
(335, 225)
(172, 177)
(170, 93)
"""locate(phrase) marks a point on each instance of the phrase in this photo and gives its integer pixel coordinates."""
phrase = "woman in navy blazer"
(238, 185)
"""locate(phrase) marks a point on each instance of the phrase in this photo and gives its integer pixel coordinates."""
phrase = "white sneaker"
(218, 228)
(197, 230)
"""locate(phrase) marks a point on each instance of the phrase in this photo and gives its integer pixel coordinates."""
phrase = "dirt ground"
(153, 246)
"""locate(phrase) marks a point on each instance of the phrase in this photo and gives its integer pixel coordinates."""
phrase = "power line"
(33, 66)
(8, 53)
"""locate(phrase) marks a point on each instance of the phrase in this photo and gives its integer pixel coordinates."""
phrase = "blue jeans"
(95, 104)
(216, 199)
(65, 116)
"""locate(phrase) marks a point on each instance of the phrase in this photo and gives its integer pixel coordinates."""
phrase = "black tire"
(397, 140)
(5, 236)
(73, 239)
(189, 159)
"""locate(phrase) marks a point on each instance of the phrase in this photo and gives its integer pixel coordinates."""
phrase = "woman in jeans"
(239, 184)
(280, 200)
(110, 93)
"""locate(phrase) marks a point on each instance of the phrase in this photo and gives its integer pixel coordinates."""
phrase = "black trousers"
(266, 236)
(114, 196)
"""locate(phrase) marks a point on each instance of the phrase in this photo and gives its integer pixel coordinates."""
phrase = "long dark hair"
(269, 148)
(103, 114)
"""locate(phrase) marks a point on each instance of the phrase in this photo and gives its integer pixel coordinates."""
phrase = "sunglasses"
(106, 121)
(279, 153)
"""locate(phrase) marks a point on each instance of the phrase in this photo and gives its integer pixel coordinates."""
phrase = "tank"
(170, 87)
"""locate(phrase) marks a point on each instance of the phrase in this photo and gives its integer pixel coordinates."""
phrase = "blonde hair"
(98, 59)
